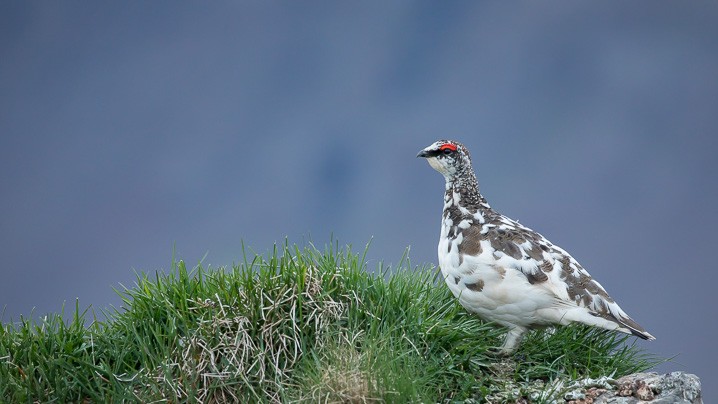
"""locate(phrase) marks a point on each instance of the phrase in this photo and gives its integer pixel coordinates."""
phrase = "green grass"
(296, 325)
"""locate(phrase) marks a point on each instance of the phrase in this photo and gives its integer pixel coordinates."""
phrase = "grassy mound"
(297, 325)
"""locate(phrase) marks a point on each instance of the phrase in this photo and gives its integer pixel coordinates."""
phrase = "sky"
(132, 131)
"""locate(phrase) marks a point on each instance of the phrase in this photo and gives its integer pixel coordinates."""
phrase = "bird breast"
(494, 292)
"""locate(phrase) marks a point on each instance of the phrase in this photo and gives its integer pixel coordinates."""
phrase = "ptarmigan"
(507, 273)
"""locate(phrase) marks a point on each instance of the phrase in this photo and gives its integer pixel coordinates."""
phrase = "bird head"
(448, 157)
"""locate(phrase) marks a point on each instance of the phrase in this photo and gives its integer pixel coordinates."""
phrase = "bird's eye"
(447, 148)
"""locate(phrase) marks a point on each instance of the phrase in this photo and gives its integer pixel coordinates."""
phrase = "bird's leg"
(511, 342)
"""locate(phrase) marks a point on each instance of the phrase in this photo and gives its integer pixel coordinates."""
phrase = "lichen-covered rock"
(638, 388)
(584, 391)
(671, 388)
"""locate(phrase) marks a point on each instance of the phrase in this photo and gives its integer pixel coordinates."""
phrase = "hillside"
(298, 324)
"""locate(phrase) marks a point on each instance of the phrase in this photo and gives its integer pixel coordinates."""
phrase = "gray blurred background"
(127, 128)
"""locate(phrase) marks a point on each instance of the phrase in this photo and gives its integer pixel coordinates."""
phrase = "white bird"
(505, 272)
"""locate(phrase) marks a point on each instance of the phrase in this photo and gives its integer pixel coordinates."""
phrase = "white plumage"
(507, 273)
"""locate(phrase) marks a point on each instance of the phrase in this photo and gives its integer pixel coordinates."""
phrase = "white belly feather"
(495, 293)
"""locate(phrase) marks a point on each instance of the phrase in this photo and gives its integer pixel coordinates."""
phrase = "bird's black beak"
(424, 154)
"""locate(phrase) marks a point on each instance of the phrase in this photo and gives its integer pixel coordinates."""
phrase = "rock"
(671, 388)
(589, 397)
(638, 388)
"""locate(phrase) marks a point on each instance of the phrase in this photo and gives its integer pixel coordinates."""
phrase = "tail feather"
(626, 324)
(609, 310)
(635, 328)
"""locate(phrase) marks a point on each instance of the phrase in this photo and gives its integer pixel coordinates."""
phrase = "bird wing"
(549, 266)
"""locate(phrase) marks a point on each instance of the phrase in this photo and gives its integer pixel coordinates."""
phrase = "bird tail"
(612, 312)
(635, 328)
(625, 324)
(608, 319)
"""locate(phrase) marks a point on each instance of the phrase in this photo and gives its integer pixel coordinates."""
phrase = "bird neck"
(464, 191)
